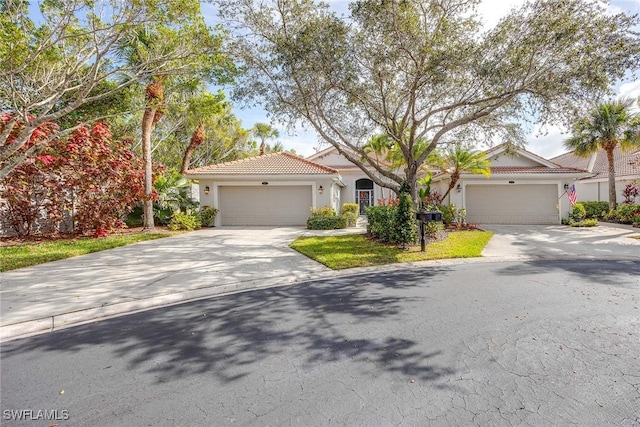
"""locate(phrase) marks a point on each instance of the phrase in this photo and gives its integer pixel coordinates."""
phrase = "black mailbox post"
(423, 217)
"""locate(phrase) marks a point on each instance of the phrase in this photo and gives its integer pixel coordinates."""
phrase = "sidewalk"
(150, 274)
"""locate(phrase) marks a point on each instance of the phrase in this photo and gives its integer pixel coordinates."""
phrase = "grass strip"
(13, 257)
(356, 250)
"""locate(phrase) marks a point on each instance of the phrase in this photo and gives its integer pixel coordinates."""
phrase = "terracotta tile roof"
(533, 170)
(268, 164)
(625, 163)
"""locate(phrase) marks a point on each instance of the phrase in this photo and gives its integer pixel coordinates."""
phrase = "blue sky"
(549, 142)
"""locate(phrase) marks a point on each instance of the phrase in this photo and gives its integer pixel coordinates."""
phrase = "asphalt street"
(540, 342)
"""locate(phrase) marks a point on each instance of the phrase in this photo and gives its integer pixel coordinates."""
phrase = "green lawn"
(12, 257)
(355, 250)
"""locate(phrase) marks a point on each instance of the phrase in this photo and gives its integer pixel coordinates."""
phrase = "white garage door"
(512, 204)
(265, 205)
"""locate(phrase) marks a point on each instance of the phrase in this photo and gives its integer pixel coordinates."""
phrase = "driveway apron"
(551, 241)
(204, 262)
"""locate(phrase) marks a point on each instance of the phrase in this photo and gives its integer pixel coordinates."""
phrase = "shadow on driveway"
(229, 337)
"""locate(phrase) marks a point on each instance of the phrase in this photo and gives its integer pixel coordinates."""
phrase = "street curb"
(75, 318)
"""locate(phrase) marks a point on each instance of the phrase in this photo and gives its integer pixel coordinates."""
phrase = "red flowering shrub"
(89, 176)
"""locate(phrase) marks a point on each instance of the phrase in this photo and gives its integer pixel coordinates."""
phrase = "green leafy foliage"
(327, 222)
(404, 225)
(426, 73)
(625, 213)
(609, 125)
(594, 209)
(587, 222)
(448, 213)
(208, 216)
(578, 213)
(380, 221)
(325, 218)
(350, 211)
(184, 221)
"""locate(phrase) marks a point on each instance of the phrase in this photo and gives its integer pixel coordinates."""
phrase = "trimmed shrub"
(589, 222)
(625, 212)
(578, 213)
(183, 221)
(432, 228)
(350, 211)
(380, 222)
(323, 212)
(404, 226)
(327, 222)
(208, 216)
(448, 213)
(597, 210)
(635, 220)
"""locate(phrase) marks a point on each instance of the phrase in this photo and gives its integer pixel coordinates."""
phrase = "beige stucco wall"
(599, 190)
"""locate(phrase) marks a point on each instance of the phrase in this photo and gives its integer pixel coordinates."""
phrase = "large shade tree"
(68, 59)
(425, 70)
(609, 125)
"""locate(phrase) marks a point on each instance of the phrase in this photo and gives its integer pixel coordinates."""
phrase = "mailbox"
(424, 217)
(429, 216)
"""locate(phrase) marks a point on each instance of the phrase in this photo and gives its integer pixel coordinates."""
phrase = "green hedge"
(598, 210)
(327, 222)
(380, 220)
(350, 211)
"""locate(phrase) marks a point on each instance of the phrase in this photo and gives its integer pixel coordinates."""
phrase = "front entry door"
(365, 199)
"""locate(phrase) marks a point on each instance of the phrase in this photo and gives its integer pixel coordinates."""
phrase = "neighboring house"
(523, 188)
(271, 189)
(596, 185)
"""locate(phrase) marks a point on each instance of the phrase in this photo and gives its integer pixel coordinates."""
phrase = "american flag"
(573, 197)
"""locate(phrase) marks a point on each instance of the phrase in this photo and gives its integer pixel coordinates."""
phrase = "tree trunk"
(612, 179)
(154, 97)
(147, 128)
(411, 174)
(197, 139)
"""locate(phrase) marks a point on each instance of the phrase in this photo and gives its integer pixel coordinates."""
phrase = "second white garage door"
(512, 204)
(265, 205)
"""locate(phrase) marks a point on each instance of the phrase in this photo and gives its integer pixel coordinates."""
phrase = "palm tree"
(461, 160)
(608, 126)
(264, 131)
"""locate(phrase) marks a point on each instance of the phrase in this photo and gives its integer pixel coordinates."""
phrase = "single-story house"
(595, 187)
(271, 189)
(281, 188)
(523, 188)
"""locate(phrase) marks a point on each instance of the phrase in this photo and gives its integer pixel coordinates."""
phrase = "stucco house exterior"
(595, 186)
(271, 189)
(523, 188)
(281, 188)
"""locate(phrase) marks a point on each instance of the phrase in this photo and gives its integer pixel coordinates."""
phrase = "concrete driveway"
(230, 259)
(149, 274)
(550, 241)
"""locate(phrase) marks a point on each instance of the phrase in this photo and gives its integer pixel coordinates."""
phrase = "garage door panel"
(512, 204)
(264, 205)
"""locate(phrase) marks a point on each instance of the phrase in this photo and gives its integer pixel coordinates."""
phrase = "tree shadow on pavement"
(590, 270)
(361, 318)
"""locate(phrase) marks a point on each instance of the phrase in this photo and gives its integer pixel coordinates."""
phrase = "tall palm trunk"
(612, 178)
(197, 139)
(153, 112)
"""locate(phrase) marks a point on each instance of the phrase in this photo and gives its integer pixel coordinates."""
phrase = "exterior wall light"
(566, 187)
(458, 188)
(320, 189)
(206, 190)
